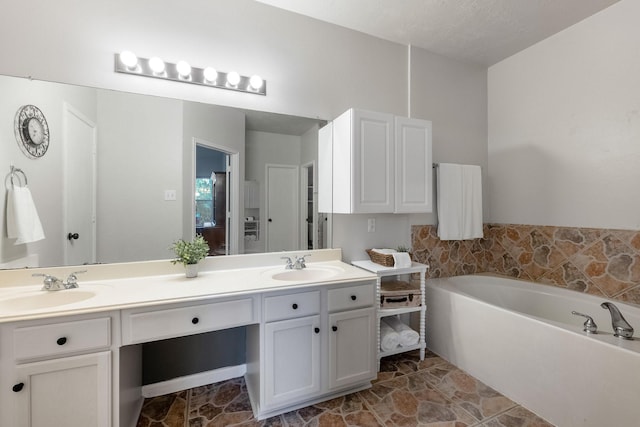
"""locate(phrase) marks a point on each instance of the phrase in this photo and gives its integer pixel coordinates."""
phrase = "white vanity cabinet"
(316, 344)
(380, 164)
(57, 372)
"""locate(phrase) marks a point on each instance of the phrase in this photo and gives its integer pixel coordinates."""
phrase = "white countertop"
(150, 290)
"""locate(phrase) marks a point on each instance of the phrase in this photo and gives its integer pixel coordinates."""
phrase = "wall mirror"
(121, 172)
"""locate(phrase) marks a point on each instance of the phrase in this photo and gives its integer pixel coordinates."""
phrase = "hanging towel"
(407, 335)
(389, 339)
(459, 202)
(23, 223)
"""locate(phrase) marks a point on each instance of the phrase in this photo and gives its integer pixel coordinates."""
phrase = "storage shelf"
(385, 312)
(398, 350)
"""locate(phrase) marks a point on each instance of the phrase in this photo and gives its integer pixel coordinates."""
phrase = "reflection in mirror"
(134, 193)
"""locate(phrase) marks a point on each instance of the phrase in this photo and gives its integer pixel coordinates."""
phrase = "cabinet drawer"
(61, 338)
(351, 297)
(291, 305)
(138, 327)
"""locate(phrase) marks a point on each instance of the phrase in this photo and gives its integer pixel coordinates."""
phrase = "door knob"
(73, 236)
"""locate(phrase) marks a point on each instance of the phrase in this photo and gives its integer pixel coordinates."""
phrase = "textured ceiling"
(478, 31)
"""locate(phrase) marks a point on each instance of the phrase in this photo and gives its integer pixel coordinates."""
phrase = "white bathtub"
(521, 339)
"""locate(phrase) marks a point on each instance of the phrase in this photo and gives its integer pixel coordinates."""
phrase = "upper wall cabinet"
(380, 164)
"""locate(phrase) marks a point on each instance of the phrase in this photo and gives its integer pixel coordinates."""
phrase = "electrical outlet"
(169, 195)
(371, 225)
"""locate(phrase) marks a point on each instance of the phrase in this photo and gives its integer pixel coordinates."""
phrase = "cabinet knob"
(316, 330)
(18, 387)
(353, 297)
(334, 328)
(294, 306)
(195, 320)
(61, 341)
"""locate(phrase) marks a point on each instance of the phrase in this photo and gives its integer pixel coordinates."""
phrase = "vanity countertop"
(22, 302)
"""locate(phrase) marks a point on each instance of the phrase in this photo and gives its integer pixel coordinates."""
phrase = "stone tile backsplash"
(601, 262)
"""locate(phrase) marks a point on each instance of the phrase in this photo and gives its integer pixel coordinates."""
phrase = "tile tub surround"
(408, 392)
(601, 262)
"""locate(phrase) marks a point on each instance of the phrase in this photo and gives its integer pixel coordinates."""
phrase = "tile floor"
(407, 392)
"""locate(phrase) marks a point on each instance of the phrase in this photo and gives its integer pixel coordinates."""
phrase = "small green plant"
(190, 252)
(402, 249)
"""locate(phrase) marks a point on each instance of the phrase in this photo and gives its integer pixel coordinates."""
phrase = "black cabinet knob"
(73, 236)
(18, 387)
(61, 341)
(294, 306)
(195, 320)
(316, 330)
(353, 297)
(334, 328)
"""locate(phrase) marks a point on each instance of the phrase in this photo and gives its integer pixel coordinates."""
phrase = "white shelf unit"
(383, 271)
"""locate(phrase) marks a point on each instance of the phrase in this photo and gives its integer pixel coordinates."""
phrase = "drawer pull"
(18, 387)
(334, 328)
(316, 330)
(61, 341)
(403, 299)
(294, 306)
(195, 320)
(353, 297)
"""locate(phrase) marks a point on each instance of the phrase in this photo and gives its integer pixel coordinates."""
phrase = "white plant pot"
(191, 270)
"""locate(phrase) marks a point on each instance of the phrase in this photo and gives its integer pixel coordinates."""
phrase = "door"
(352, 352)
(308, 208)
(70, 392)
(292, 360)
(282, 208)
(79, 166)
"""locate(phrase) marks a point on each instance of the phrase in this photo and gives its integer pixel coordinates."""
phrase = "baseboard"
(195, 380)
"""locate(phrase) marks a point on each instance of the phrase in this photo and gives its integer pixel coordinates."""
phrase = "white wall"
(564, 126)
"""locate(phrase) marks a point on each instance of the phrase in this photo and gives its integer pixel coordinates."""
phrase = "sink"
(307, 274)
(38, 300)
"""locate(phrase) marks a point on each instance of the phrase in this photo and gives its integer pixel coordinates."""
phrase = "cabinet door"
(70, 392)
(352, 352)
(291, 360)
(414, 175)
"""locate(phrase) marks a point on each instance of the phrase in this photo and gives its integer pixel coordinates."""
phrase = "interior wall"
(564, 126)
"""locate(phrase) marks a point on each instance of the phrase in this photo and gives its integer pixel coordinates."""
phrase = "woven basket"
(382, 259)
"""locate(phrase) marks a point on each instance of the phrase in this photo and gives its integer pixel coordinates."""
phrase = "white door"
(282, 208)
(79, 166)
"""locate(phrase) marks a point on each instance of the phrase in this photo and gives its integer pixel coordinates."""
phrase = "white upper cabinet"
(380, 164)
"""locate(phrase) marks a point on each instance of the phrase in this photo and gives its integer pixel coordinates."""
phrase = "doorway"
(282, 208)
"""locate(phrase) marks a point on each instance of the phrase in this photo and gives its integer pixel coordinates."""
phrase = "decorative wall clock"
(32, 131)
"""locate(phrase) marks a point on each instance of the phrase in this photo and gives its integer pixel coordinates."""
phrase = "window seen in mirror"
(205, 213)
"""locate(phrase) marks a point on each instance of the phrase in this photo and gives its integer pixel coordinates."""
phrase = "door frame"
(233, 207)
(304, 183)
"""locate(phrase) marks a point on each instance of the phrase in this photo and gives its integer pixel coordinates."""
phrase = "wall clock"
(32, 131)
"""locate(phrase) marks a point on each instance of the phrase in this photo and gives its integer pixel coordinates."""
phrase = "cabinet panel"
(414, 175)
(70, 392)
(351, 297)
(292, 360)
(291, 305)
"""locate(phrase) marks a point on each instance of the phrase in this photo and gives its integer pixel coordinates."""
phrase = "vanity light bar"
(128, 63)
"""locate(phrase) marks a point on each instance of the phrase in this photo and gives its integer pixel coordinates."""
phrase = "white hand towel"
(389, 339)
(384, 251)
(401, 260)
(407, 335)
(459, 202)
(23, 222)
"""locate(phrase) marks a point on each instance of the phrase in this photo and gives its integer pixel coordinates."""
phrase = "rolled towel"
(389, 339)
(407, 335)
(401, 260)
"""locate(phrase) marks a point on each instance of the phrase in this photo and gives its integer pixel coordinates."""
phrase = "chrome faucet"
(52, 283)
(298, 264)
(621, 328)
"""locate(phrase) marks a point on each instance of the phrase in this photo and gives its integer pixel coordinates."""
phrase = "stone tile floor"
(407, 392)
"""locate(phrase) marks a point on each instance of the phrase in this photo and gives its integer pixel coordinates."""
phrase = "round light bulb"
(157, 65)
(255, 82)
(233, 78)
(184, 69)
(128, 58)
(210, 74)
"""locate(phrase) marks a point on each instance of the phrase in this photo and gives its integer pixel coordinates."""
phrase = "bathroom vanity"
(73, 357)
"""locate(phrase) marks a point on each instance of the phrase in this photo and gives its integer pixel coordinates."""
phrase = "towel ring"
(15, 174)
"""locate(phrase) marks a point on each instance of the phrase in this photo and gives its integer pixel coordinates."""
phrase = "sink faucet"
(52, 283)
(298, 264)
(621, 328)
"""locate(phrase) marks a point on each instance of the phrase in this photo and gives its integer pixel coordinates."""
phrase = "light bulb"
(210, 74)
(157, 65)
(233, 78)
(255, 82)
(128, 58)
(184, 69)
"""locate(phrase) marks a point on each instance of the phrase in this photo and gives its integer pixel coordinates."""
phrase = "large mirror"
(125, 175)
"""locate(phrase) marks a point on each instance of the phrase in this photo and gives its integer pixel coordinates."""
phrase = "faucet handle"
(300, 261)
(589, 325)
(50, 283)
(289, 262)
(72, 279)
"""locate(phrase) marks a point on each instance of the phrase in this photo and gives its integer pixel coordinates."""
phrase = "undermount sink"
(38, 300)
(315, 273)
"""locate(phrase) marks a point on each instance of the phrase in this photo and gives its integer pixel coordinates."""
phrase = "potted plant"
(190, 253)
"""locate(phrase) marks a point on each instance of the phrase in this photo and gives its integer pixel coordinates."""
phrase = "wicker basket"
(382, 259)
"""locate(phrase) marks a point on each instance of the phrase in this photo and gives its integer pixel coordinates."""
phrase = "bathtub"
(521, 339)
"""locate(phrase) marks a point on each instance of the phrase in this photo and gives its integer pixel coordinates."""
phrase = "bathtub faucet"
(621, 328)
